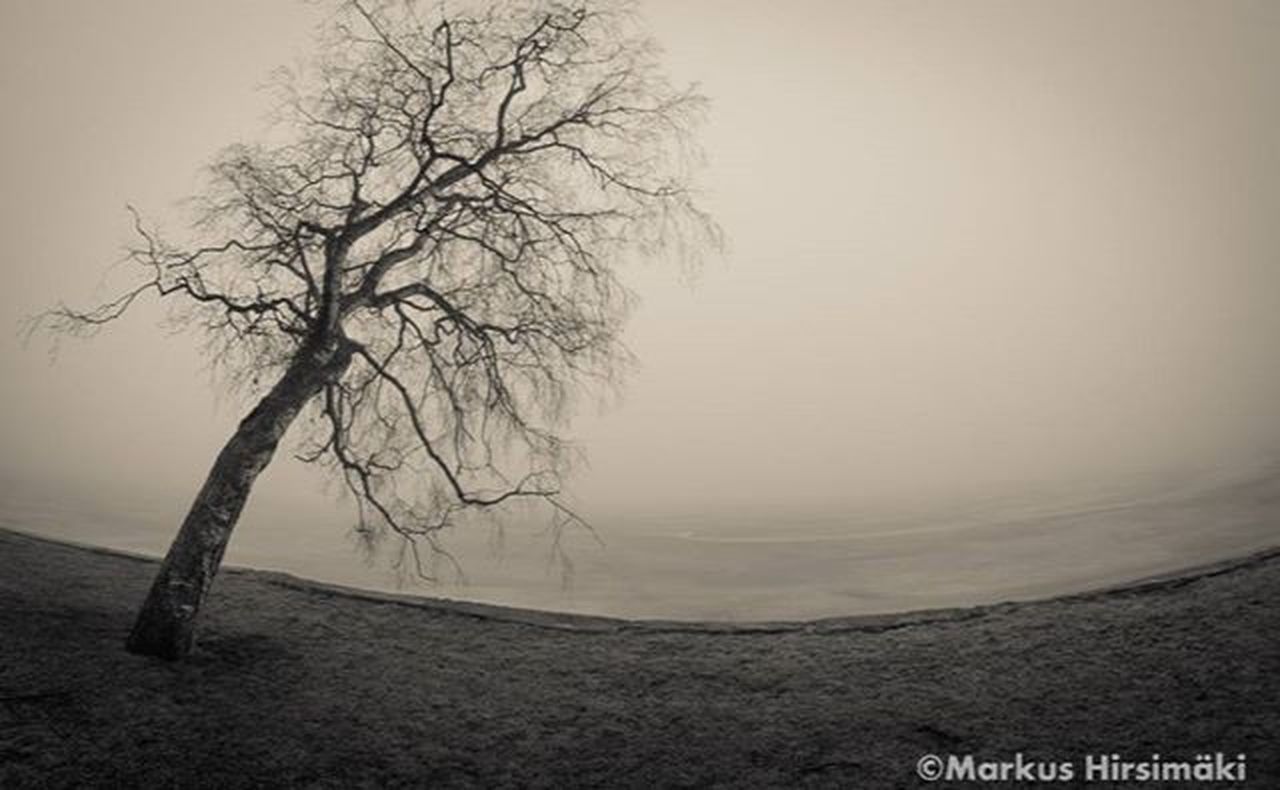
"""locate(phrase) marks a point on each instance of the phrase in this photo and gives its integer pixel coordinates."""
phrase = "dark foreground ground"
(296, 685)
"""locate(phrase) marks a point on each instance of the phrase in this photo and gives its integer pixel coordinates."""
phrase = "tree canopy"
(448, 203)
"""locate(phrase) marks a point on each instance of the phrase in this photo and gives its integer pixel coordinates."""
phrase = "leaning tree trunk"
(166, 624)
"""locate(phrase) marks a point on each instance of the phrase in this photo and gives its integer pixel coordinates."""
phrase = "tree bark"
(166, 624)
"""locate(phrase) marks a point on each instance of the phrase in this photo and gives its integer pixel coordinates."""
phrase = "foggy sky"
(972, 246)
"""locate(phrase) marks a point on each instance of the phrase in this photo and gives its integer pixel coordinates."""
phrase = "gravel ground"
(298, 684)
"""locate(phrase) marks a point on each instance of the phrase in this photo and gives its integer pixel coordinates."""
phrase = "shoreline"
(298, 684)
(573, 621)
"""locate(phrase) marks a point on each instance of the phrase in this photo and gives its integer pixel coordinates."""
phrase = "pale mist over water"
(998, 316)
(909, 557)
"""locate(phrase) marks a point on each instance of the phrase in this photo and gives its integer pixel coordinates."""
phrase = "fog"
(974, 249)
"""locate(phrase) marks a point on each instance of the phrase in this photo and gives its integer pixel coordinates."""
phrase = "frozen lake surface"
(760, 568)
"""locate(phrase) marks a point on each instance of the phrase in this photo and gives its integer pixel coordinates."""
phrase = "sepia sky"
(972, 246)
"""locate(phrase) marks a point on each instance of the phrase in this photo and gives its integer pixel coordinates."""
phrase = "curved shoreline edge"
(588, 623)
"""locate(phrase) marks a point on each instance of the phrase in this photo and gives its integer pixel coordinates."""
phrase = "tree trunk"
(166, 624)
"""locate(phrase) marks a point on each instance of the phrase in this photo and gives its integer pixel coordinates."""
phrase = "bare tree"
(425, 268)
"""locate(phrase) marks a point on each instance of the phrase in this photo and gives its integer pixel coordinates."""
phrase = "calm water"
(756, 568)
